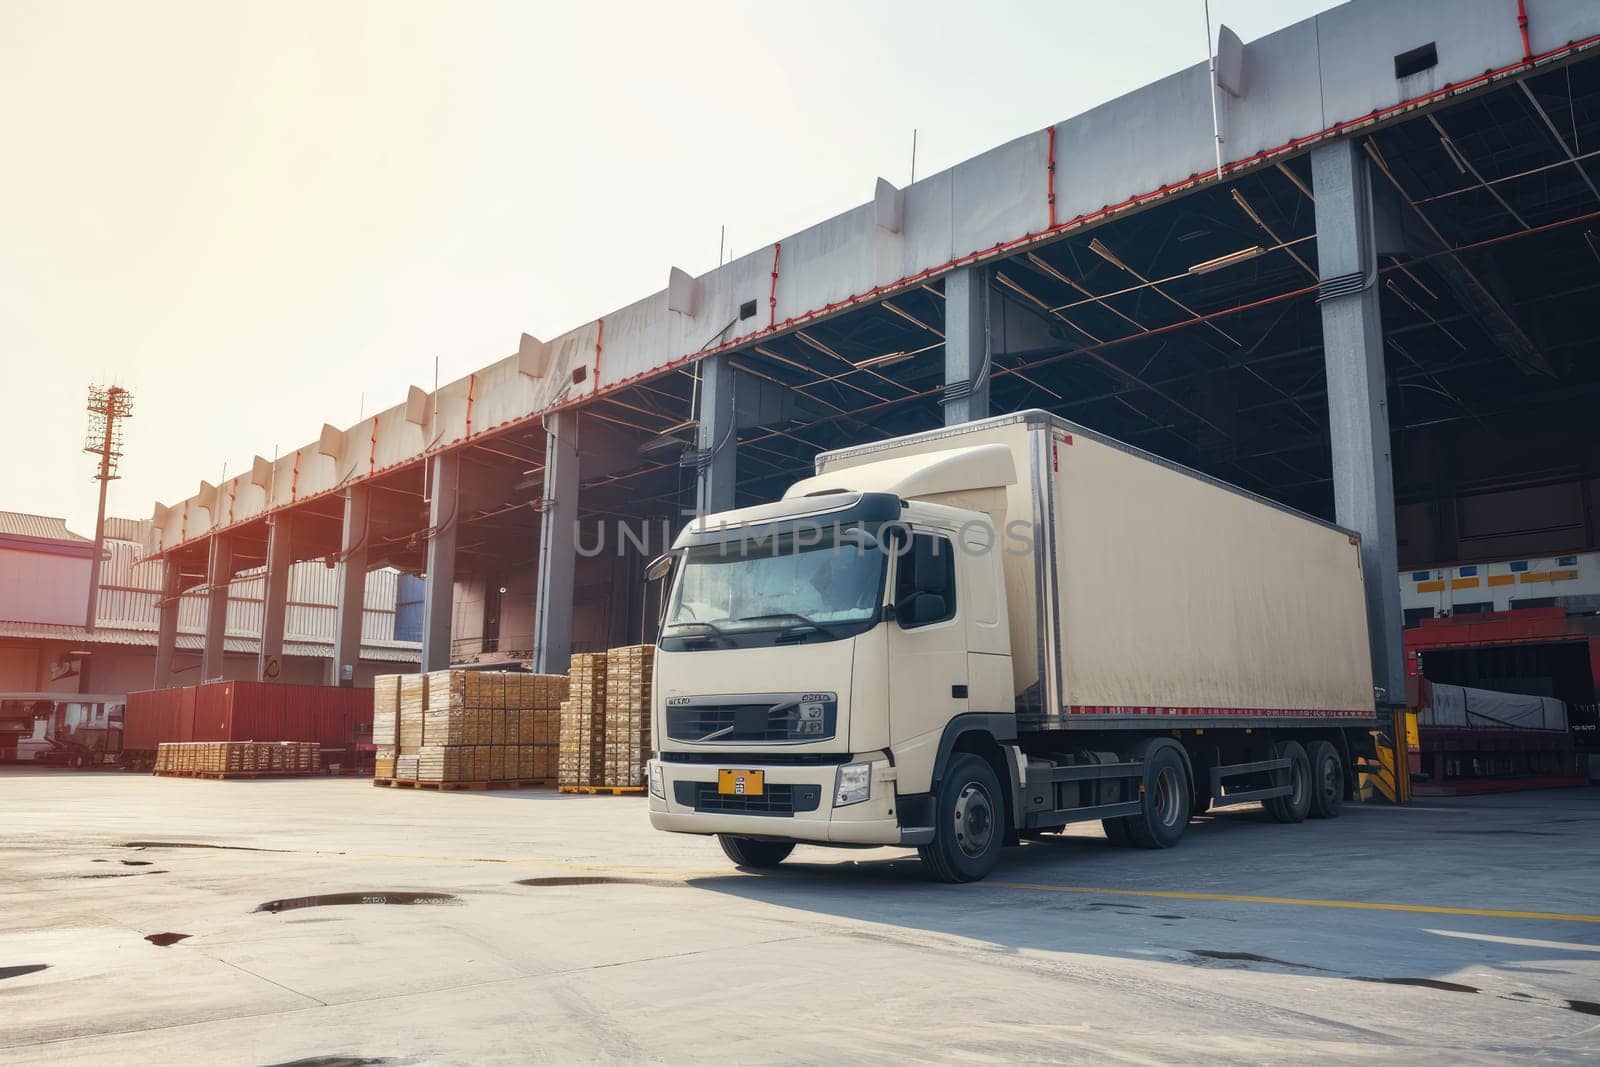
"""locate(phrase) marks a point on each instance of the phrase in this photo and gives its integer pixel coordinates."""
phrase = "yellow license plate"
(742, 783)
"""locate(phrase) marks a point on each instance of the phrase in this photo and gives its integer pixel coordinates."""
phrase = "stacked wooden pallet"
(582, 742)
(629, 673)
(238, 759)
(386, 723)
(460, 728)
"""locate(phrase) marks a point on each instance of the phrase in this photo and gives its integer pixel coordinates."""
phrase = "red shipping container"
(337, 717)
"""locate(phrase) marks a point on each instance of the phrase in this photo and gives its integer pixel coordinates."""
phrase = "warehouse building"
(47, 646)
(1378, 308)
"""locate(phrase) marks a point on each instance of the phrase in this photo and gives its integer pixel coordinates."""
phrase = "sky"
(264, 217)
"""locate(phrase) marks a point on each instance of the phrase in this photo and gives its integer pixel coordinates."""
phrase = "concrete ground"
(573, 932)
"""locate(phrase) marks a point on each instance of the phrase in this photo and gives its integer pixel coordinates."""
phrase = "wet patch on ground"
(335, 1061)
(122, 874)
(21, 969)
(198, 844)
(136, 863)
(1249, 957)
(1424, 983)
(334, 900)
(163, 940)
(594, 879)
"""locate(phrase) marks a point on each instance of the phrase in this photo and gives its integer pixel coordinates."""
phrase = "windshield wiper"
(715, 631)
(800, 621)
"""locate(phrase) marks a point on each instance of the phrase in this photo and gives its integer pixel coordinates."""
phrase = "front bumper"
(873, 821)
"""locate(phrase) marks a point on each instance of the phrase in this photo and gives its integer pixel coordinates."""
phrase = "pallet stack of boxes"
(242, 758)
(629, 673)
(386, 723)
(458, 727)
(582, 752)
(605, 723)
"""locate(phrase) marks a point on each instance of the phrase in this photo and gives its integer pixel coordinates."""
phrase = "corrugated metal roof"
(126, 529)
(22, 524)
(373, 651)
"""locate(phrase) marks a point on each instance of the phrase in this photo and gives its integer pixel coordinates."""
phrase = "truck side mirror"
(659, 567)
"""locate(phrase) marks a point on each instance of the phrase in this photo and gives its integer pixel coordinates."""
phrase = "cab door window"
(925, 582)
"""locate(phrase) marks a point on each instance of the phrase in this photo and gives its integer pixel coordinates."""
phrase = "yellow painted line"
(1358, 905)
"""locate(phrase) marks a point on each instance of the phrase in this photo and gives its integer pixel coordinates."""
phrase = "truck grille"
(770, 718)
(778, 799)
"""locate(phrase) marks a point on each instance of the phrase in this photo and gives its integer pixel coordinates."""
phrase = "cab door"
(927, 638)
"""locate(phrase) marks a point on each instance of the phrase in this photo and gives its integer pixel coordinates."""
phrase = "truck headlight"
(853, 784)
(658, 780)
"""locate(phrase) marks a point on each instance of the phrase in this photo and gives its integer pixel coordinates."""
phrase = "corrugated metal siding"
(130, 594)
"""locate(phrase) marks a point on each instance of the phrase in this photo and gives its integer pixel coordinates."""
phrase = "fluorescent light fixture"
(1109, 256)
(1228, 260)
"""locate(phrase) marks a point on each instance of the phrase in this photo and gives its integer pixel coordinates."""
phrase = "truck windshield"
(788, 588)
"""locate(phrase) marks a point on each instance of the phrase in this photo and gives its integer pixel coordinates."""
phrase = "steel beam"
(439, 583)
(716, 464)
(1358, 408)
(351, 607)
(558, 529)
(167, 621)
(219, 576)
(966, 346)
(275, 599)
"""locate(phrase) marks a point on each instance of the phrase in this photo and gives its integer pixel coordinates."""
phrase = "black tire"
(1327, 780)
(1117, 832)
(754, 852)
(969, 822)
(1167, 796)
(1295, 806)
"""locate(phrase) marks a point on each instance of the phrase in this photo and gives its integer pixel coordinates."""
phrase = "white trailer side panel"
(1180, 596)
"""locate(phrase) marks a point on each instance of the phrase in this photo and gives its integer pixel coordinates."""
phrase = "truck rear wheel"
(1327, 780)
(753, 852)
(1295, 806)
(1167, 795)
(969, 822)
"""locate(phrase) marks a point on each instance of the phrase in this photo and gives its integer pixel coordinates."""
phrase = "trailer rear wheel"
(1327, 780)
(753, 852)
(1167, 796)
(1295, 806)
(969, 822)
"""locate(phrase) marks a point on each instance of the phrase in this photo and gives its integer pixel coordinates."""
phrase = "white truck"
(958, 638)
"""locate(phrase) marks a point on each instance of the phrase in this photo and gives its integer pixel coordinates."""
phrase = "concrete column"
(558, 559)
(275, 600)
(439, 584)
(219, 574)
(351, 608)
(966, 346)
(167, 624)
(1358, 409)
(718, 438)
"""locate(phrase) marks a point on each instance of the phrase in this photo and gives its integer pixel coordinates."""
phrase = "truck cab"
(816, 653)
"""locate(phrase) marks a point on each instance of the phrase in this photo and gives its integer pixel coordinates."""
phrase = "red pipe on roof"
(1522, 24)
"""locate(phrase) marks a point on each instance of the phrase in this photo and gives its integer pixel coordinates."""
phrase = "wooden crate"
(413, 705)
(630, 674)
(386, 710)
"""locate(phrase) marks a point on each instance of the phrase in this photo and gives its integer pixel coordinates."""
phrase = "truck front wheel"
(969, 822)
(753, 852)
